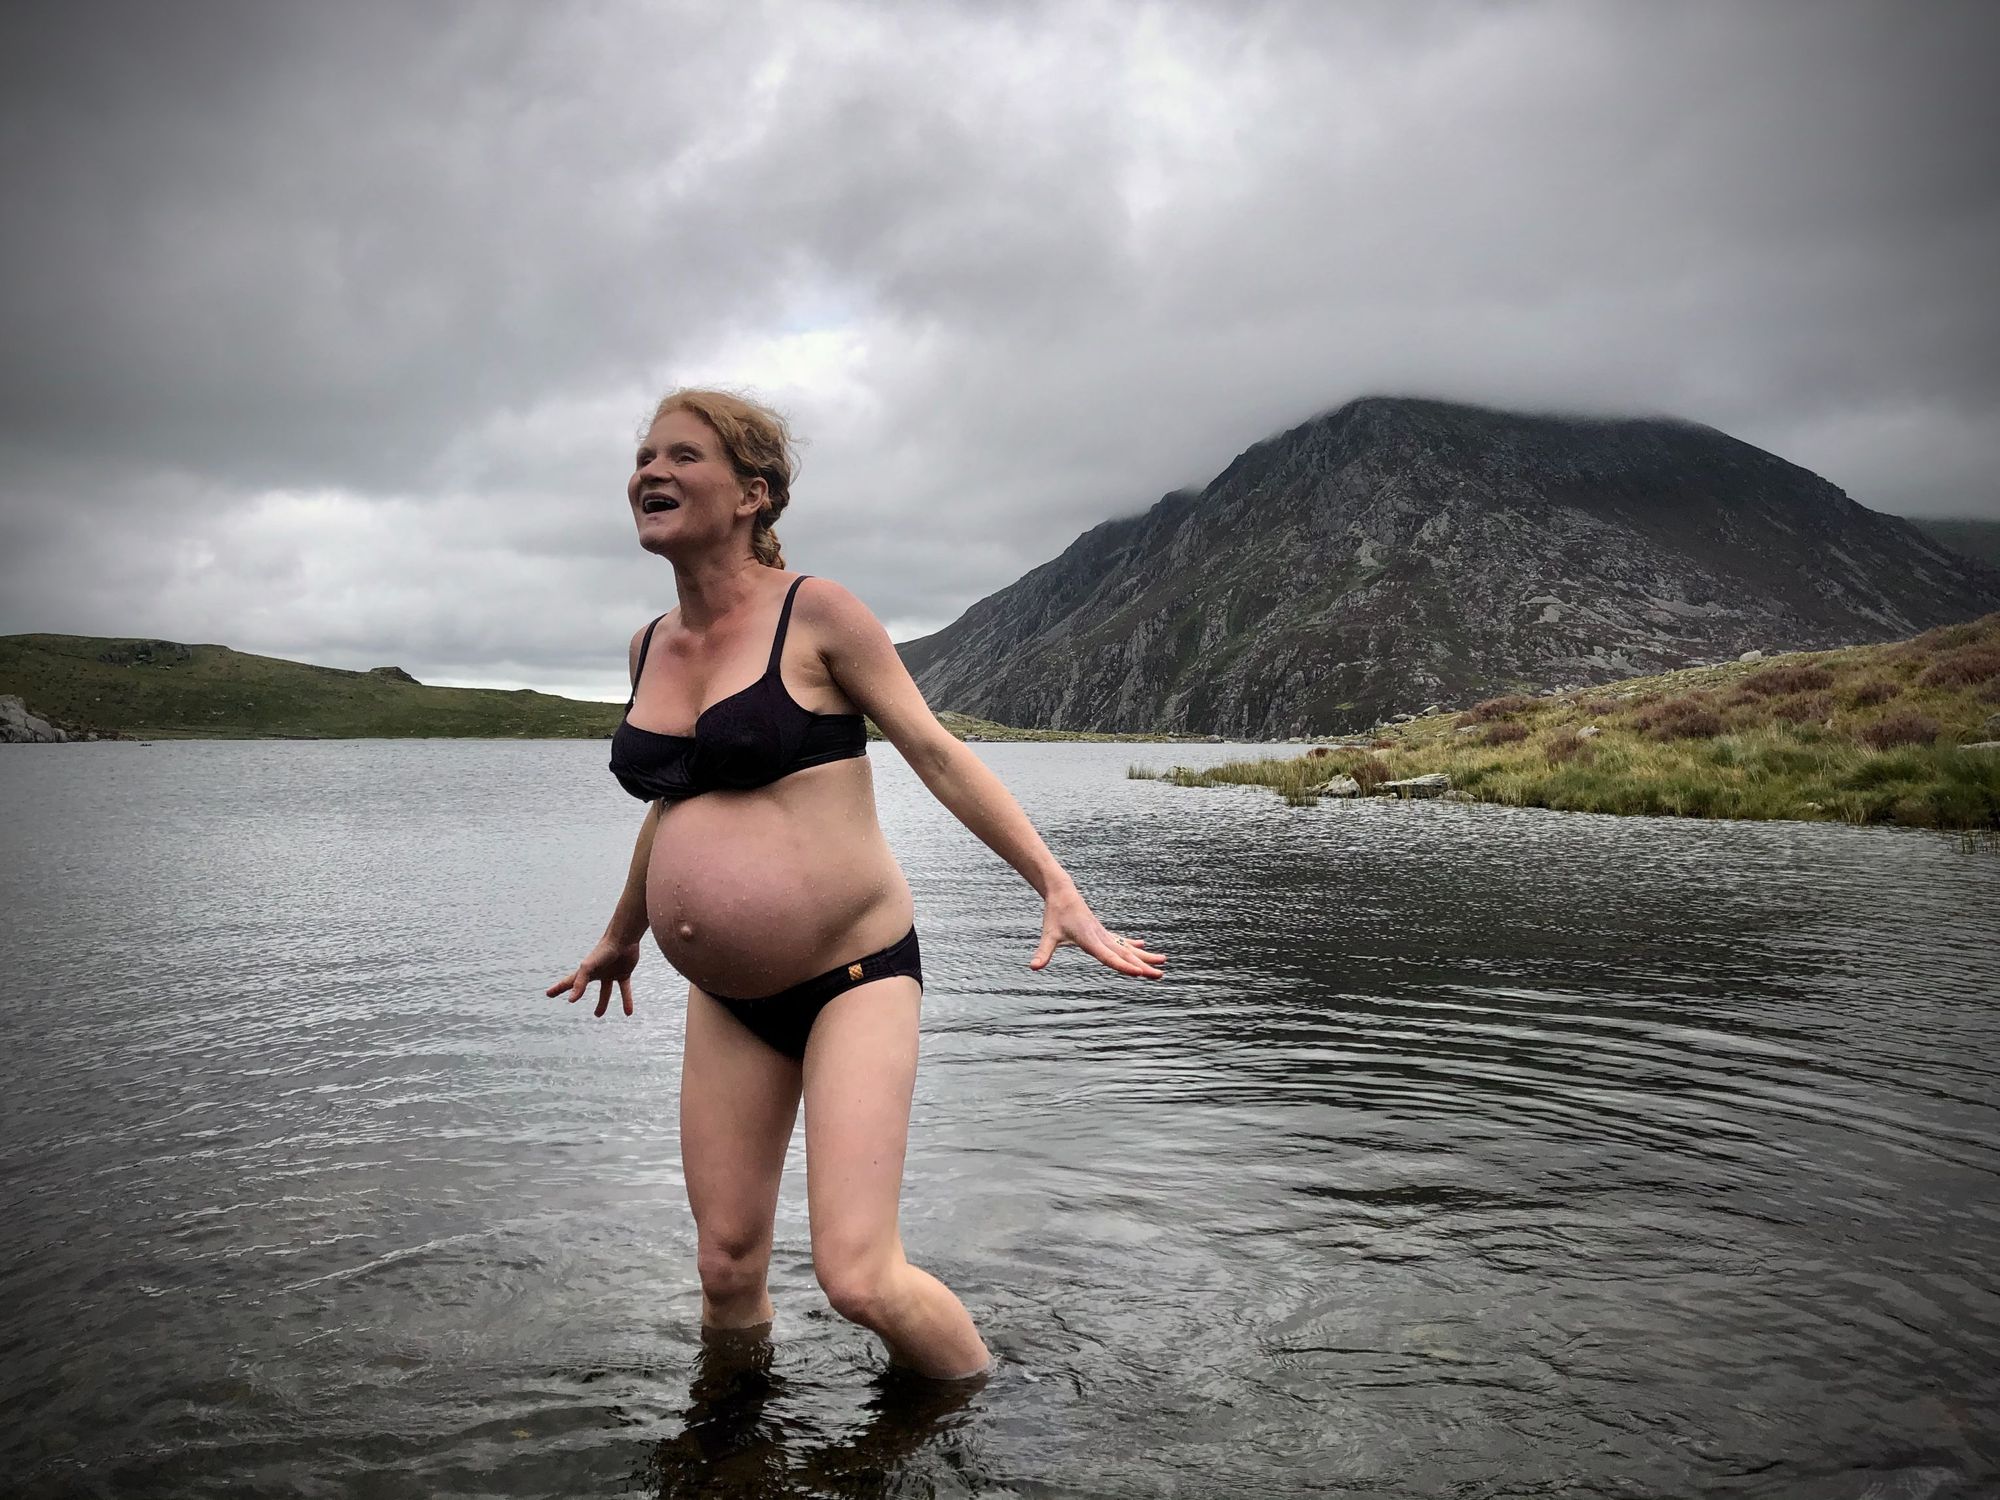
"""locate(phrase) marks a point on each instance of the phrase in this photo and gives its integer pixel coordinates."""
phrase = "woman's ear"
(756, 495)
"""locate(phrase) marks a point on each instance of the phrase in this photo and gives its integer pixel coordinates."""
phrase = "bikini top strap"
(784, 623)
(644, 646)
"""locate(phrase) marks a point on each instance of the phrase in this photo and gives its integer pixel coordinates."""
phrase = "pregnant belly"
(749, 892)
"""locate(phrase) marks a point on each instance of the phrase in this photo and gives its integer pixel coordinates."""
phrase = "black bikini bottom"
(784, 1020)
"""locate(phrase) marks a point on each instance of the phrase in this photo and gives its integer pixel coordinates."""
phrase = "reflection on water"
(732, 1445)
(1466, 1151)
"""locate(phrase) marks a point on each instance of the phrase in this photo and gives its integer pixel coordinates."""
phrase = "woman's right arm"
(628, 920)
(617, 952)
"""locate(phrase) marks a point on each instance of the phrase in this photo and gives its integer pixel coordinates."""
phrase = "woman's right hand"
(607, 964)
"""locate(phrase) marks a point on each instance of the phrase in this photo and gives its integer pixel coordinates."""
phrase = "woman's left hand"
(1067, 918)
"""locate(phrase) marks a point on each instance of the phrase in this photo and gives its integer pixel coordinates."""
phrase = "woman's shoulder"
(824, 593)
(822, 601)
(836, 619)
(657, 620)
(639, 636)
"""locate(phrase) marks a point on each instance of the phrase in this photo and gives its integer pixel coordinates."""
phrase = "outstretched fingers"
(1136, 947)
(1127, 956)
(578, 985)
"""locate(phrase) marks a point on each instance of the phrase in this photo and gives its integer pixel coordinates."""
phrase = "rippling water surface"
(1466, 1151)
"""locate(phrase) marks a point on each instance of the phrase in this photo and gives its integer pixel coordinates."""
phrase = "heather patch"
(1868, 694)
(1962, 668)
(1904, 727)
(1773, 681)
(1495, 708)
(1688, 718)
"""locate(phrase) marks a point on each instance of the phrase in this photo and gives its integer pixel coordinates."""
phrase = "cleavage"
(694, 731)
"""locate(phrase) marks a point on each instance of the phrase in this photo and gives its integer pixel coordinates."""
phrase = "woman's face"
(683, 490)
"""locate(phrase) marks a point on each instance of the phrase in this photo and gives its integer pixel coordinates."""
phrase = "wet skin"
(748, 892)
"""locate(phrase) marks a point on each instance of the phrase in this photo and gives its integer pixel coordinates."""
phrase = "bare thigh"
(739, 1100)
(860, 1072)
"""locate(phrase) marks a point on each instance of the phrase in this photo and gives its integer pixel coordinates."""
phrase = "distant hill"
(1979, 539)
(1400, 553)
(165, 690)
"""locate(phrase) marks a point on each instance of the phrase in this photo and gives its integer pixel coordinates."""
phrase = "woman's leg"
(861, 1068)
(739, 1099)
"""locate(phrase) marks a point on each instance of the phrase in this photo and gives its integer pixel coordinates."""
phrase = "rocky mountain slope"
(1398, 553)
(1974, 539)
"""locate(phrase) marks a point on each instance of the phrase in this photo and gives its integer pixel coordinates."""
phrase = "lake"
(1466, 1151)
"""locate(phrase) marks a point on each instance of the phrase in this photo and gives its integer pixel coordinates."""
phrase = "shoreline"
(1903, 734)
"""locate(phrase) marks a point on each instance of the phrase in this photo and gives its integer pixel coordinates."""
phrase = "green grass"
(1783, 738)
(163, 690)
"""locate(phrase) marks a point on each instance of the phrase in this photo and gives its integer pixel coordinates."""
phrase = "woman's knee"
(732, 1265)
(857, 1286)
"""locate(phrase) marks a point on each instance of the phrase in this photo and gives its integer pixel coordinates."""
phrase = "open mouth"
(654, 503)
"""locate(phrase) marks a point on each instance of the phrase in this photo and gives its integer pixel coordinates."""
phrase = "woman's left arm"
(864, 663)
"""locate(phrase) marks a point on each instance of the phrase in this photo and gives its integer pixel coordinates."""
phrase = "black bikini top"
(749, 739)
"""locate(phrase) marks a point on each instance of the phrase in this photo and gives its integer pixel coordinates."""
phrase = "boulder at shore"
(19, 727)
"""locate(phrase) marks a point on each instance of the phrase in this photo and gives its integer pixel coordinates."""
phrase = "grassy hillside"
(165, 690)
(1869, 734)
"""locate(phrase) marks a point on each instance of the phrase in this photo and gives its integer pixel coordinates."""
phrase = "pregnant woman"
(764, 877)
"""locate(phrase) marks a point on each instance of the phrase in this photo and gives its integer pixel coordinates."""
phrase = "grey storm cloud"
(329, 328)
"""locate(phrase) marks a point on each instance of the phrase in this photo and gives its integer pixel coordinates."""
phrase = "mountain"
(1978, 539)
(1398, 553)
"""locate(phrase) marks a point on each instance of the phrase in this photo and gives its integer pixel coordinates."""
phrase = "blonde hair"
(759, 446)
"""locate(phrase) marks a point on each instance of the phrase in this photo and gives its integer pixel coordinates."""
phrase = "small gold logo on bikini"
(854, 971)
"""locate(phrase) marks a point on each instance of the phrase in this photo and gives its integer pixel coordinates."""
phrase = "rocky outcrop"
(394, 674)
(1435, 784)
(1975, 539)
(1397, 553)
(19, 727)
(147, 654)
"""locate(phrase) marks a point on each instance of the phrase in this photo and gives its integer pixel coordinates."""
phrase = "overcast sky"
(329, 327)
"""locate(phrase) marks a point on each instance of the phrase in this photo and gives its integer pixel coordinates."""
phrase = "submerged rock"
(1432, 785)
(1339, 786)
